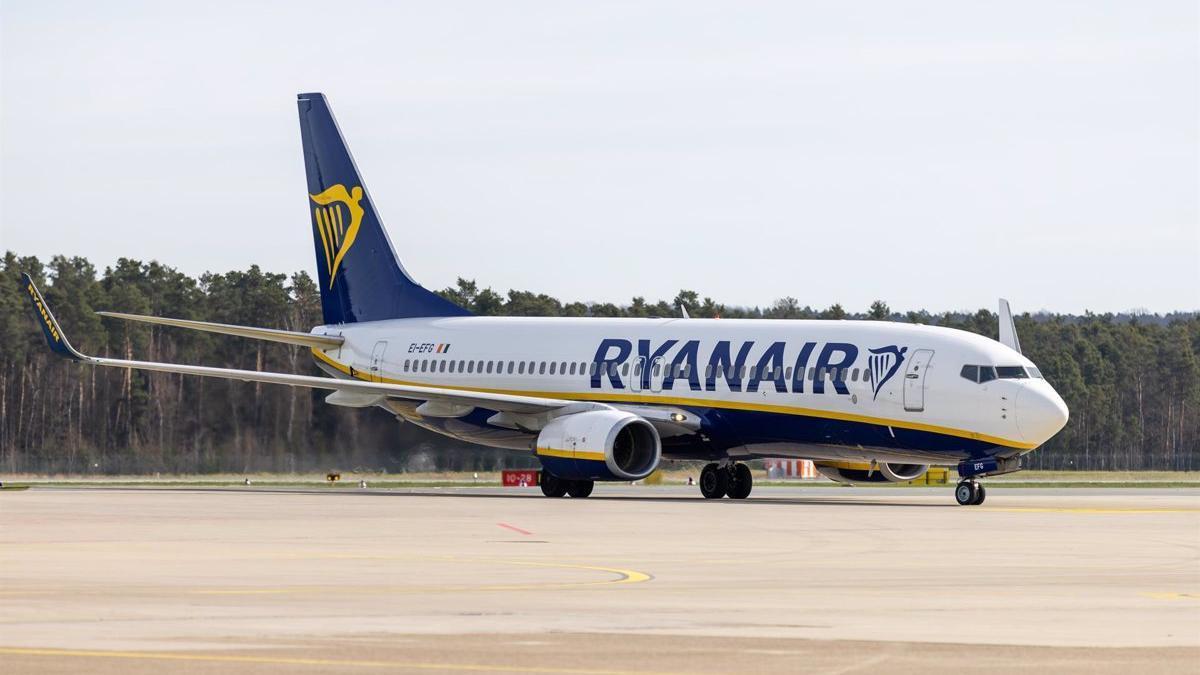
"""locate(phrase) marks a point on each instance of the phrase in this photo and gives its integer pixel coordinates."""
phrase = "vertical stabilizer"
(360, 277)
(1008, 329)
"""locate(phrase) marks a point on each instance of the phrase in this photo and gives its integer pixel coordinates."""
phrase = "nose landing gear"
(733, 479)
(969, 493)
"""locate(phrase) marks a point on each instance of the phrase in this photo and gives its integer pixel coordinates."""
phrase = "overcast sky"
(932, 154)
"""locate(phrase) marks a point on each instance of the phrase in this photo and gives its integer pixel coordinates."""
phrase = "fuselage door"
(657, 373)
(377, 361)
(635, 375)
(914, 380)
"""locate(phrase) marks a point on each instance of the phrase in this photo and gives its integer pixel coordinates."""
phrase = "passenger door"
(914, 380)
(377, 361)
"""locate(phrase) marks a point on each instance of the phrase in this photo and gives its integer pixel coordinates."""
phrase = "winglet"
(1008, 329)
(54, 334)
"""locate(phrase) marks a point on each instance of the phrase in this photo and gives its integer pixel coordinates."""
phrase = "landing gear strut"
(969, 493)
(733, 479)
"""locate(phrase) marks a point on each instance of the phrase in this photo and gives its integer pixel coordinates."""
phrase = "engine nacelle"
(861, 473)
(599, 445)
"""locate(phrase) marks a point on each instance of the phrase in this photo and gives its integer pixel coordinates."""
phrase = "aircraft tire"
(580, 488)
(966, 493)
(714, 482)
(982, 494)
(742, 483)
(552, 486)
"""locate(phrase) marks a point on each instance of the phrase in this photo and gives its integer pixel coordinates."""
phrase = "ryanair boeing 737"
(608, 399)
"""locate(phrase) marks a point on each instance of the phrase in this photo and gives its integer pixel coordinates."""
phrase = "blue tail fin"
(360, 277)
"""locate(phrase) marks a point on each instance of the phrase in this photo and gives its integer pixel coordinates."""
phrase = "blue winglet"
(54, 335)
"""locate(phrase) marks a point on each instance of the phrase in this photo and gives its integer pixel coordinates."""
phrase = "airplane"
(608, 399)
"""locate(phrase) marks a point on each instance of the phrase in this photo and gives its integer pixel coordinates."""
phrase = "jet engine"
(860, 472)
(599, 445)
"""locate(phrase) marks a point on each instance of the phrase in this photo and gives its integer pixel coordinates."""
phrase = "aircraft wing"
(364, 392)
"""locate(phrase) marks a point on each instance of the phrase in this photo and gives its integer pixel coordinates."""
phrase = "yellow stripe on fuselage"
(614, 397)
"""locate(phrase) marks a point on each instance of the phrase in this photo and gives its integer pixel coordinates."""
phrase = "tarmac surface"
(631, 580)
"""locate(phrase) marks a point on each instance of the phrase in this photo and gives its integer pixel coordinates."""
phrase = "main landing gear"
(969, 493)
(553, 486)
(733, 479)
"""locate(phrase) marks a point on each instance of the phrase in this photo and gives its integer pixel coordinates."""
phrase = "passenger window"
(406, 365)
(521, 368)
(986, 374)
(442, 368)
(654, 372)
(572, 367)
(512, 365)
(612, 370)
(542, 368)
(452, 366)
(787, 373)
(554, 367)
(624, 369)
(971, 373)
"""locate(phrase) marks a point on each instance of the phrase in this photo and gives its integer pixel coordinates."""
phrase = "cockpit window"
(986, 374)
(1034, 372)
(1011, 372)
(971, 373)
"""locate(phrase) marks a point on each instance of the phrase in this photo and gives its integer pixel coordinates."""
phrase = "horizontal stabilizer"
(314, 340)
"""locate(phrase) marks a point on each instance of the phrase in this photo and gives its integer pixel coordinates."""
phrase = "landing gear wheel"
(714, 482)
(552, 486)
(966, 493)
(742, 483)
(980, 496)
(580, 488)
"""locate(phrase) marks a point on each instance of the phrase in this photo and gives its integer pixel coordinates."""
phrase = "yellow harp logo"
(337, 216)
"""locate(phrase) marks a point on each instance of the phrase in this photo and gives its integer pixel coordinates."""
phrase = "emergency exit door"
(914, 380)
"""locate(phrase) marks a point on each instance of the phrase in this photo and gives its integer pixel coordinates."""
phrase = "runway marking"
(623, 576)
(1080, 509)
(296, 661)
(514, 528)
(1173, 596)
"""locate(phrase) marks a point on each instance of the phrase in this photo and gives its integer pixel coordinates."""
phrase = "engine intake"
(862, 473)
(599, 445)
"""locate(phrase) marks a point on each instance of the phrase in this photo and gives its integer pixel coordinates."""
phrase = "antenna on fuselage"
(1008, 329)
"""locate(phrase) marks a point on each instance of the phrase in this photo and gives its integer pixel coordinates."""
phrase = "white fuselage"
(816, 389)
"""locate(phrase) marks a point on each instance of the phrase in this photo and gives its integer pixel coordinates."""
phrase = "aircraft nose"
(1041, 412)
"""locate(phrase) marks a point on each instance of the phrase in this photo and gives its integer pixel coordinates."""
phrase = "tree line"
(1132, 381)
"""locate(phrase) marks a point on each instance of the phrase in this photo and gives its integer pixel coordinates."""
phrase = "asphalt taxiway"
(633, 579)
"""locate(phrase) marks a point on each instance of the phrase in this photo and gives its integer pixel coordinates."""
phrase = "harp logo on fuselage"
(337, 217)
